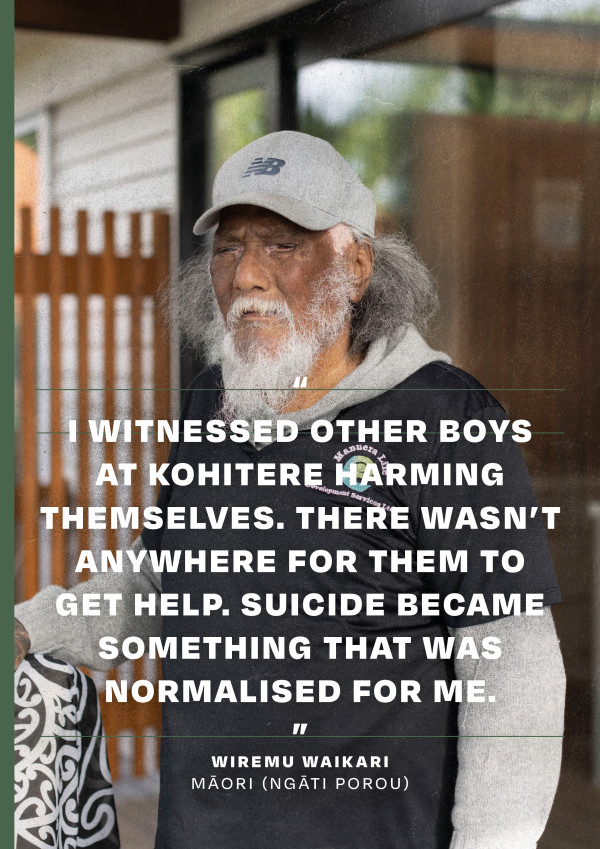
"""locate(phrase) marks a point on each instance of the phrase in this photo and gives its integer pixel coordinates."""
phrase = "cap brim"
(294, 210)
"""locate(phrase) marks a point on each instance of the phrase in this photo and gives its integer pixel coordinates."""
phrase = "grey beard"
(259, 381)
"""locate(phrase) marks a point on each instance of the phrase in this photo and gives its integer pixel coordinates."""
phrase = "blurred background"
(477, 126)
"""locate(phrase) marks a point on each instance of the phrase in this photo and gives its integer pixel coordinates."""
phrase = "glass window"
(504, 65)
(482, 140)
(564, 11)
(236, 120)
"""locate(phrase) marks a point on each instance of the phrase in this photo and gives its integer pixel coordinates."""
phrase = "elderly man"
(298, 292)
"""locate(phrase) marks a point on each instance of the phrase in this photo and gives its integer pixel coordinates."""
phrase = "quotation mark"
(300, 382)
(300, 728)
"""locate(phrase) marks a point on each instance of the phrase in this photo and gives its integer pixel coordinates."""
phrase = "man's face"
(261, 260)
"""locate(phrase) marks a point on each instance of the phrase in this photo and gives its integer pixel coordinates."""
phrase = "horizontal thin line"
(312, 389)
(117, 115)
(350, 432)
(92, 187)
(314, 736)
(64, 167)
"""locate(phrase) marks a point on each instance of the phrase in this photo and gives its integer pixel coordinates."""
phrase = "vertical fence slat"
(162, 359)
(57, 484)
(109, 285)
(161, 352)
(29, 478)
(137, 294)
(139, 277)
(84, 283)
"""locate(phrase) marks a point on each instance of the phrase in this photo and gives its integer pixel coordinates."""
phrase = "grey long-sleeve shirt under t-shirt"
(503, 795)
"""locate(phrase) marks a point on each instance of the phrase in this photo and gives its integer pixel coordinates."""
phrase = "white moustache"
(261, 306)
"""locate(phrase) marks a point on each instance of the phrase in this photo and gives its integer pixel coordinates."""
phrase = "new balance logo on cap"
(268, 165)
(312, 185)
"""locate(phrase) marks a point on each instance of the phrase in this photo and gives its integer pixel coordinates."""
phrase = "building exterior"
(476, 124)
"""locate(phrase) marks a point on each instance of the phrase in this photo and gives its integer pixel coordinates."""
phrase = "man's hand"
(22, 642)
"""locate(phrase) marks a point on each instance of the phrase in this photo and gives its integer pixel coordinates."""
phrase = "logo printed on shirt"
(361, 461)
(268, 166)
(359, 458)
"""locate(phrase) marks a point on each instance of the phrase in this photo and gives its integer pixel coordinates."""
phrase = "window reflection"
(482, 140)
(503, 66)
(236, 120)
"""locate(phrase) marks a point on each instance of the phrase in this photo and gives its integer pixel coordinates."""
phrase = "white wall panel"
(115, 148)
(152, 121)
(116, 168)
(119, 99)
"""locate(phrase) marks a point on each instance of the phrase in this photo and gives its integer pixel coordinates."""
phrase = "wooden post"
(83, 290)
(137, 296)
(57, 487)
(84, 275)
(109, 285)
(162, 359)
(29, 479)
(162, 364)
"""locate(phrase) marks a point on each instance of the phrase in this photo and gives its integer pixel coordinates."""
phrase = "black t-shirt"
(296, 794)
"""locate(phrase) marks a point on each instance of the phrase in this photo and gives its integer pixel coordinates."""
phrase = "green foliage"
(591, 15)
(479, 92)
(376, 136)
(30, 140)
(560, 99)
(377, 133)
(237, 120)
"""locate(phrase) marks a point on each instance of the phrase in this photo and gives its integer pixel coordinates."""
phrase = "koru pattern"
(63, 789)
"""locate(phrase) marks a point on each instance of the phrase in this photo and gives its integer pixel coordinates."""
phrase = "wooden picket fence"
(92, 279)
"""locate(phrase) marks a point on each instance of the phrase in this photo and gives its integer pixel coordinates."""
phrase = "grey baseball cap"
(296, 175)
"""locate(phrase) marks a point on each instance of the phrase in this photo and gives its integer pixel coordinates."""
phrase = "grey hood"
(389, 361)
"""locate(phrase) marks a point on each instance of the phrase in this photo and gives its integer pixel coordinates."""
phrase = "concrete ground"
(137, 810)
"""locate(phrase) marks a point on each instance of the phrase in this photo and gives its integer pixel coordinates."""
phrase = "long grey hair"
(401, 292)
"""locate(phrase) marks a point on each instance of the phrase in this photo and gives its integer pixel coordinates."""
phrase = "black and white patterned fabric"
(63, 789)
